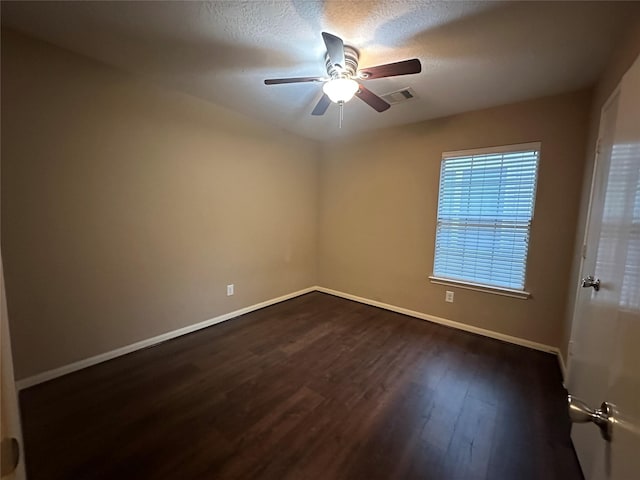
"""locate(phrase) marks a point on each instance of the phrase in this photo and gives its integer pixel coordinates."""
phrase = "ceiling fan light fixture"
(343, 78)
(340, 90)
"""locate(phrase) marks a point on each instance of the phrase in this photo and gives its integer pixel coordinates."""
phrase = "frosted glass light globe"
(340, 89)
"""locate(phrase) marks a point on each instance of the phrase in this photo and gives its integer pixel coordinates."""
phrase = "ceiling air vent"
(399, 96)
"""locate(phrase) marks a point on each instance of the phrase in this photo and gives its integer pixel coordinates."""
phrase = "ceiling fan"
(344, 77)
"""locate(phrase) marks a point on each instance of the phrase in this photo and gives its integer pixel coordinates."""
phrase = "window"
(485, 210)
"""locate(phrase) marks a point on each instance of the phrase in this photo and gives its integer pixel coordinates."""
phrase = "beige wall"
(126, 209)
(378, 213)
(628, 49)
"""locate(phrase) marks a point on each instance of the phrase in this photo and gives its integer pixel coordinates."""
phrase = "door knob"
(603, 417)
(591, 281)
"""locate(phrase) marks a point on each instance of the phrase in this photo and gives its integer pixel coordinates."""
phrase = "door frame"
(10, 424)
(9, 415)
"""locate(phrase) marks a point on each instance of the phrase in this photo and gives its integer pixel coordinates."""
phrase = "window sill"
(507, 292)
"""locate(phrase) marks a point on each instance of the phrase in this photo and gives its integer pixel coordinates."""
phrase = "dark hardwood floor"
(317, 387)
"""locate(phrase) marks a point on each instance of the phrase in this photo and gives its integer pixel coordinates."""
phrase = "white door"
(604, 358)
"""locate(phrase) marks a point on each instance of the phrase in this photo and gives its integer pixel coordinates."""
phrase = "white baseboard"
(87, 362)
(563, 366)
(450, 323)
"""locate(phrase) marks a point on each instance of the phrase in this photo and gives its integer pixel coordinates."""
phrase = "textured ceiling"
(474, 54)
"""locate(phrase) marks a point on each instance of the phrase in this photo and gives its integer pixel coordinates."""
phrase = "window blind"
(485, 209)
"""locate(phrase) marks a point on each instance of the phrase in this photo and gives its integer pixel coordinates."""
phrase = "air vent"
(399, 96)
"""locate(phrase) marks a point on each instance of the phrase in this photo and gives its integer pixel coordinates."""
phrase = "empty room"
(300, 239)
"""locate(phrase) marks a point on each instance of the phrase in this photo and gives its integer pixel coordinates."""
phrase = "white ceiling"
(474, 54)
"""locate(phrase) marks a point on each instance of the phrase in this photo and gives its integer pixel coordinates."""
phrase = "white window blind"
(485, 210)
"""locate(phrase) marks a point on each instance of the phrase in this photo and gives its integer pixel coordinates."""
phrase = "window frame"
(469, 284)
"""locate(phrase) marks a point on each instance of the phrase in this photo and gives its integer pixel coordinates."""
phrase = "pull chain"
(341, 109)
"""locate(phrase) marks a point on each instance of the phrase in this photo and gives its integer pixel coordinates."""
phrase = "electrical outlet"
(448, 296)
(229, 290)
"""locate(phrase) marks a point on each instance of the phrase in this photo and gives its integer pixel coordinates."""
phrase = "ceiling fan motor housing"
(351, 58)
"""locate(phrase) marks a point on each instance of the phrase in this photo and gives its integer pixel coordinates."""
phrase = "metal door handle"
(603, 417)
(591, 281)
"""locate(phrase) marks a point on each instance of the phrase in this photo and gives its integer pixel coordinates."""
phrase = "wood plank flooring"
(316, 387)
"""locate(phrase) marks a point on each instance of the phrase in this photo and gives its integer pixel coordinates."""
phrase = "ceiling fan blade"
(371, 99)
(405, 67)
(335, 48)
(278, 81)
(322, 105)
